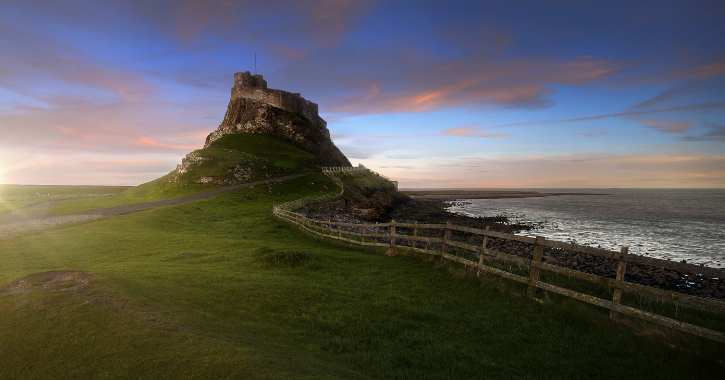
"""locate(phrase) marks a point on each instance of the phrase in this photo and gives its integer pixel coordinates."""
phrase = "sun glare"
(2, 173)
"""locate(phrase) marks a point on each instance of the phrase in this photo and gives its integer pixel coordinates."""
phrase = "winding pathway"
(13, 224)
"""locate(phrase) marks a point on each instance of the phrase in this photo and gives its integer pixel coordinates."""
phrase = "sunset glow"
(343, 189)
(438, 94)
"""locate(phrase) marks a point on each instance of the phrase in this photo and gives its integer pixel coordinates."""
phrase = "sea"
(672, 224)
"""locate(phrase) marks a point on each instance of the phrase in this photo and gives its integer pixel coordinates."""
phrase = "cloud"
(716, 132)
(703, 82)
(702, 91)
(43, 67)
(84, 126)
(330, 19)
(679, 108)
(115, 80)
(427, 83)
(146, 141)
(667, 126)
(287, 26)
(345, 79)
(593, 133)
(79, 168)
(694, 89)
(472, 131)
(702, 69)
(562, 171)
(710, 69)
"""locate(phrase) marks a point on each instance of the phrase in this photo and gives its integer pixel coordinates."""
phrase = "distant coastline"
(454, 194)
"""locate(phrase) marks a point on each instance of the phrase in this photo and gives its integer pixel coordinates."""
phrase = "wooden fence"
(332, 170)
(454, 243)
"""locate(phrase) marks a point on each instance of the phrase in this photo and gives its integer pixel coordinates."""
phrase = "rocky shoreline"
(434, 211)
(692, 283)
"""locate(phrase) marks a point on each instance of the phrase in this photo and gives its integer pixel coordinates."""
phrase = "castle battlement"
(254, 87)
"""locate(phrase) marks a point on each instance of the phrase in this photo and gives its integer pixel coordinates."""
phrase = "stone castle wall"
(254, 87)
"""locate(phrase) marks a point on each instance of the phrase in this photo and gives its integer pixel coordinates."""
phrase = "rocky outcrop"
(247, 168)
(256, 109)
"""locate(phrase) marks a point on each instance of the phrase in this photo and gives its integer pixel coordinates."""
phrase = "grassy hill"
(263, 156)
(220, 289)
(267, 157)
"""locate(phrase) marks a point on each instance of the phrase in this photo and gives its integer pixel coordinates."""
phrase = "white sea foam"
(671, 224)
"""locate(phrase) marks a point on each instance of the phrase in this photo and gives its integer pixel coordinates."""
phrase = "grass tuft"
(283, 258)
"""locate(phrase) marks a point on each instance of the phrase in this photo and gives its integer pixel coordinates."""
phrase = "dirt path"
(11, 226)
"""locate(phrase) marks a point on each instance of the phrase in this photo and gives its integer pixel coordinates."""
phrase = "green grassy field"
(220, 289)
(16, 197)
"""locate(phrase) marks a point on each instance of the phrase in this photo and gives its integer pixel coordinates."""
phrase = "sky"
(446, 94)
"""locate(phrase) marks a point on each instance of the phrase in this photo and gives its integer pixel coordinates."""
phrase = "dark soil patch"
(53, 281)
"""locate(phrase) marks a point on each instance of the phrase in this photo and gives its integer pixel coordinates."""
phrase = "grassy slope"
(358, 184)
(278, 157)
(13, 197)
(203, 290)
(281, 155)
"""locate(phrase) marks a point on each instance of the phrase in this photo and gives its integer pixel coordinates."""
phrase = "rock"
(256, 109)
(191, 159)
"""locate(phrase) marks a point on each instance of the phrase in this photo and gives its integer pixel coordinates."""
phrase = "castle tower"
(248, 80)
(253, 87)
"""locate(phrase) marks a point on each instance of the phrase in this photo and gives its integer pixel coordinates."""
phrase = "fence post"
(446, 237)
(391, 248)
(621, 268)
(483, 251)
(415, 233)
(534, 270)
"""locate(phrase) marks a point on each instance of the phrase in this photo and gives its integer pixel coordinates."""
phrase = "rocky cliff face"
(256, 109)
(265, 133)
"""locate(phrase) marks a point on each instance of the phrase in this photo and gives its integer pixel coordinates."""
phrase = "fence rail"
(438, 240)
(331, 170)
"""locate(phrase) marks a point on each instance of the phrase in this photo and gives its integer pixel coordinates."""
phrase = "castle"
(255, 109)
(254, 87)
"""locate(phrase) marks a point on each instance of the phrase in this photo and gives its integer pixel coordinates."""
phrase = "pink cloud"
(42, 59)
(88, 127)
(146, 141)
(472, 131)
(695, 70)
(667, 126)
(504, 82)
(710, 69)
